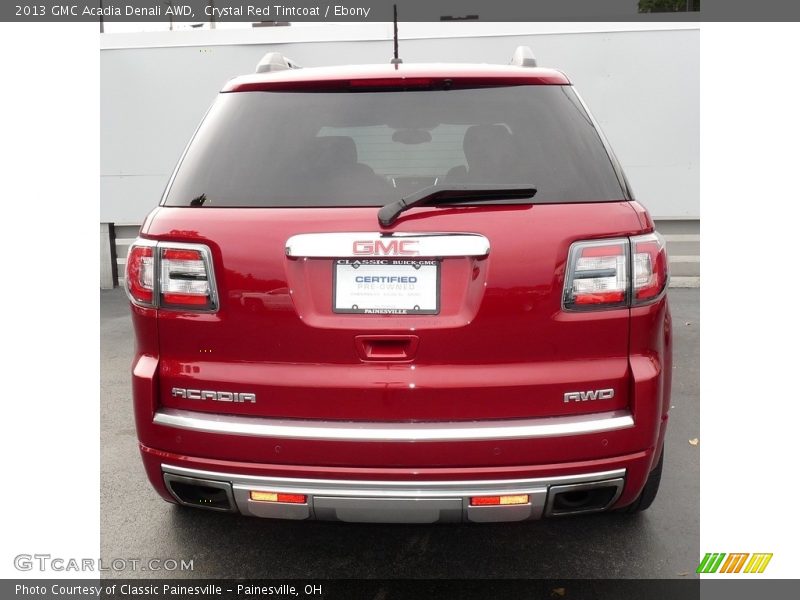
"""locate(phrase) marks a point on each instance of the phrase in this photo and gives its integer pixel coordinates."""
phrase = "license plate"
(386, 286)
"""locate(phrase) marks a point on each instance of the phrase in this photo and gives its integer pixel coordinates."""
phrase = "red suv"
(401, 293)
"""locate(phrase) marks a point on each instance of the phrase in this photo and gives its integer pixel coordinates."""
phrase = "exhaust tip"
(200, 493)
(582, 498)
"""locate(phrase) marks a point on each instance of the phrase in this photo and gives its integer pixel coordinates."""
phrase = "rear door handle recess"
(387, 347)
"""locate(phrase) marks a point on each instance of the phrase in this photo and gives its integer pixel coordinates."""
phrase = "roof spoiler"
(523, 57)
(275, 61)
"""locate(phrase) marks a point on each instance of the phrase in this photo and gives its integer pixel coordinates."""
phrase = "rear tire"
(649, 491)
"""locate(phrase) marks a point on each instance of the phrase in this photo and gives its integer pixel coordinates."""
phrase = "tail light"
(139, 273)
(599, 272)
(184, 281)
(650, 269)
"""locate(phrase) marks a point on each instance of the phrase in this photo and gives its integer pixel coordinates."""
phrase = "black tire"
(649, 491)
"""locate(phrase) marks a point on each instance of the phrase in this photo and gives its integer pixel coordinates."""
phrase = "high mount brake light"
(599, 272)
(185, 278)
(391, 82)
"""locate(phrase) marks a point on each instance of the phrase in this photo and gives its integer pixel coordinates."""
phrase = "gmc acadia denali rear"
(400, 293)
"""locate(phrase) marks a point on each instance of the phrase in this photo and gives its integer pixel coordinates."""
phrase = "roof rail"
(275, 61)
(523, 57)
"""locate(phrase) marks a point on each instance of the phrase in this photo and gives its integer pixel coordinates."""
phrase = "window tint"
(376, 148)
(369, 148)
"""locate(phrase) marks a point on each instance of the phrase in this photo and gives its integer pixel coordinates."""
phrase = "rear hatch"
(452, 312)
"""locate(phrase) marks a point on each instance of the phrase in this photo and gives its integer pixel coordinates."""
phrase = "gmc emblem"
(385, 248)
(606, 394)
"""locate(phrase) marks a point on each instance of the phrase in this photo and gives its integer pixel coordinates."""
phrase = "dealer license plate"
(386, 286)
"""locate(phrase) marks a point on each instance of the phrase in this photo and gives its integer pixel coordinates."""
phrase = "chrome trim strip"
(394, 489)
(511, 429)
(416, 245)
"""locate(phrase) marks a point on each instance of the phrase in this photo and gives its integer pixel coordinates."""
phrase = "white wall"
(641, 85)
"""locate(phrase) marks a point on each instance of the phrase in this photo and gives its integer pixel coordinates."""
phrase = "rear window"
(300, 149)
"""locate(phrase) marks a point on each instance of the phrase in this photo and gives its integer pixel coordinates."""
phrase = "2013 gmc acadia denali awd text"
(401, 293)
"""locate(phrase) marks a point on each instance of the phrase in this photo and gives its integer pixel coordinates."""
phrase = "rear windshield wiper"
(452, 193)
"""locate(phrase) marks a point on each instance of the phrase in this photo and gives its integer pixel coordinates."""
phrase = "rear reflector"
(171, 275)
(277, 497)
(499, 500)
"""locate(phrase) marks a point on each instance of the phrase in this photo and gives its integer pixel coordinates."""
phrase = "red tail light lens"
(615, 273)
(139, 274)
(650, 267)
(597, 275)
(171, 276)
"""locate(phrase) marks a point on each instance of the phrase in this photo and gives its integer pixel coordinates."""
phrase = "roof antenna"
(396, 60)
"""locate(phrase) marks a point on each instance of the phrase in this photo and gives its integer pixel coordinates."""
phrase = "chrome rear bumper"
(400, 501)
